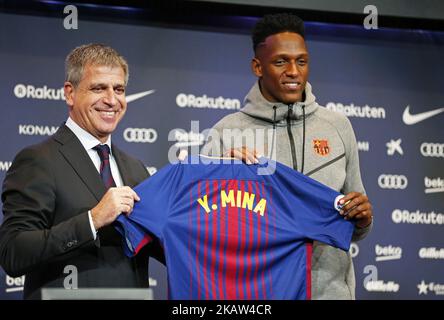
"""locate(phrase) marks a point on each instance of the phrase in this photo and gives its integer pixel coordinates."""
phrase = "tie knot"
(103, 151)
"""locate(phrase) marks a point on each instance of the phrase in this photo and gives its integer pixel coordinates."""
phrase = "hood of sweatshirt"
(255, 105)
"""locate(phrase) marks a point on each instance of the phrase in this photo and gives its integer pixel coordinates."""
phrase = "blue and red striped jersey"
(231, 233)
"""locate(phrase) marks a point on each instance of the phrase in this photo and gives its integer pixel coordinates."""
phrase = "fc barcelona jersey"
(235, 231)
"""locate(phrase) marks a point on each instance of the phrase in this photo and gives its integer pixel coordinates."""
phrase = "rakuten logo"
(35, 130)
(431, 253)
(429, 149)
(417, 217)
(433, 185)
(4, 165)
(392, 181)
(354, 250)
(381, 286)
(142, 135)
(191, 101)
(387, 253)
(42, 93)
(356, 111)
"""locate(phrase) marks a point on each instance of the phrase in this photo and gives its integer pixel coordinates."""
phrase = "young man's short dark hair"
(276, 23)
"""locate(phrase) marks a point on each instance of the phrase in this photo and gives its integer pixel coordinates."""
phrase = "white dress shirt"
(88, 141)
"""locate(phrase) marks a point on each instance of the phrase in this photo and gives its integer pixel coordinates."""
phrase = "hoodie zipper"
(290, 135)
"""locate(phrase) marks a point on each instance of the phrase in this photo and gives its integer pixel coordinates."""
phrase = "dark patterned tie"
(105, 167)
(108, 235)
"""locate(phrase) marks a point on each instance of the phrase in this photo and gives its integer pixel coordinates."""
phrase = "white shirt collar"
(87, 140)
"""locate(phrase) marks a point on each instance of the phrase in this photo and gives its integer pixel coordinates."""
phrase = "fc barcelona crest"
(321, 147)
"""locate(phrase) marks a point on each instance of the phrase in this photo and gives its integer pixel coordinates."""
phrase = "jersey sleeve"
(314, 209)
(150, 213)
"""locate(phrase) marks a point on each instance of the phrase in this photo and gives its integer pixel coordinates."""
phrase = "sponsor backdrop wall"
(388, 82)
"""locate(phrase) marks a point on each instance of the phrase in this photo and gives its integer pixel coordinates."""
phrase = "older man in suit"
(61, 197)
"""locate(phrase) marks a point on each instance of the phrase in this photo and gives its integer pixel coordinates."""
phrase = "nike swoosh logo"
(135, 96)
(415, 118)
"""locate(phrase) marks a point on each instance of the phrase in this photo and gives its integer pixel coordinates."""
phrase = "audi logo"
(140, 135)
(392, 181)
(432, 149)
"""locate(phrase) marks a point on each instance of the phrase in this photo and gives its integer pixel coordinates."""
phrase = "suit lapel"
(76, 155)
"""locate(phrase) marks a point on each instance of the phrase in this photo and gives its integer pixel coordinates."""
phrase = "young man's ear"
(68, 89)
(256, 67)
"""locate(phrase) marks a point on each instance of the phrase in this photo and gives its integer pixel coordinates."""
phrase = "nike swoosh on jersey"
(139, 95)
(415, 118)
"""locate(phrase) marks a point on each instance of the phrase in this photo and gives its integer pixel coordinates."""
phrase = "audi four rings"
(143, 135)
(432, 149)
(392, 181)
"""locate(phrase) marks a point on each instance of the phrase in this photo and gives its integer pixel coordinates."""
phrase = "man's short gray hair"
(92, 54)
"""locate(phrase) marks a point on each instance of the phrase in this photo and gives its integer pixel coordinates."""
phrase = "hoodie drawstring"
(274, 132)
(290, 134)
(303, 138)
